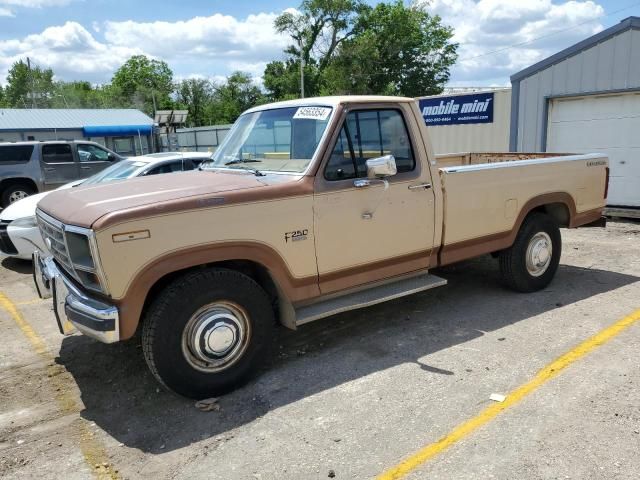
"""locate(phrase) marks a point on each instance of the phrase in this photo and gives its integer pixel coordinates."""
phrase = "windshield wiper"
(236, 161)
(255, 171)
(242, 160)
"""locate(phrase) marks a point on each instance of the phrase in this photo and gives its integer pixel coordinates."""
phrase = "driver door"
(369, 231)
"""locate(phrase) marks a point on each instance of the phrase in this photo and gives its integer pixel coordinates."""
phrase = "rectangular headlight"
(75, 249)
(81, 248)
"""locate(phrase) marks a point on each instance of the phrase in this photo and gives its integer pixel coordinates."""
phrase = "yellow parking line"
(33, 337)
(93, 451)
(489, 413)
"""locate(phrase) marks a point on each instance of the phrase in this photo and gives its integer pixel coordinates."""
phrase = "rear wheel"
(207, 332)
(16, 192)
(532, 261)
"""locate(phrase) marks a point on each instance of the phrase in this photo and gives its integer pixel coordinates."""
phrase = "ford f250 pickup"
(309, 208)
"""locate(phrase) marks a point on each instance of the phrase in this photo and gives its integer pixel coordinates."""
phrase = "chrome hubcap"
(216, 336)
(17, 195)
(539, 254)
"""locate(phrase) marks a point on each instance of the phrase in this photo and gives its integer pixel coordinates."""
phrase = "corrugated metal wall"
(613, 64)
(197, 139)
(480, 137)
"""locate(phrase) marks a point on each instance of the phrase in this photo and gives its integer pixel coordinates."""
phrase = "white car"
(19, 234)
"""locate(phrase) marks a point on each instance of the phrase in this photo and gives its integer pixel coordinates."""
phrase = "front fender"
(132, 303)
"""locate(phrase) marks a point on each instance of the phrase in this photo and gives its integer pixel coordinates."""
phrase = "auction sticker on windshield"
(313, 113)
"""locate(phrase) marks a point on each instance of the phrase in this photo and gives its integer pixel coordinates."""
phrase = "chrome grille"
(54, 233)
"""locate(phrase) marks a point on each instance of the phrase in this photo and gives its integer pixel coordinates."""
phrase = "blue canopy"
(116, 130)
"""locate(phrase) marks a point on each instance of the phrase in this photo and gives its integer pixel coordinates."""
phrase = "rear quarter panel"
(485, 200)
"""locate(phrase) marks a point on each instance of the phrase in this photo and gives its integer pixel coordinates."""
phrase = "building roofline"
(629, 23)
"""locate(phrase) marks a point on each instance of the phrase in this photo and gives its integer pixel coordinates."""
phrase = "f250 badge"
(296, 235)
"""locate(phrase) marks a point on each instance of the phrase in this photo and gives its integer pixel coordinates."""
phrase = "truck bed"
(484, 194)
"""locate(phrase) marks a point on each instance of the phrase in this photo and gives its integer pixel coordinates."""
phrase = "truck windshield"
(277, 140)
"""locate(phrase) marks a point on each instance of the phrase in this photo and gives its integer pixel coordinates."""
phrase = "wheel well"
(12, 181)
(558, 211)
(254, 270)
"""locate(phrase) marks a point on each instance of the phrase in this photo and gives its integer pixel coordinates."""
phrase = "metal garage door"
(602, 123)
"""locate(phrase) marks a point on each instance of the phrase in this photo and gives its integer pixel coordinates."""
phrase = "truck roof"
(332, 101)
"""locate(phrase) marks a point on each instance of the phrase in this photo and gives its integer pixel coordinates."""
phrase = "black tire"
(171, 316)
(513, 261)
(10, 192)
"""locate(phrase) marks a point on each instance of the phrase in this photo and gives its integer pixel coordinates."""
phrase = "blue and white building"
(125, 131)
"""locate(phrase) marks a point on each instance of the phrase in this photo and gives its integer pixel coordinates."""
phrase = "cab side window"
(341, 165)
(57, 153)
(370, 134)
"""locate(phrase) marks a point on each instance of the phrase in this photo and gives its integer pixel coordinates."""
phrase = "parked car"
(19, 234)
(27, 168)
(310, 207)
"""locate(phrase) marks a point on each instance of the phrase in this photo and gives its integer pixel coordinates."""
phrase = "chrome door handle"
(85, 168)
(424, 186)
(361, 183)
(49, 169)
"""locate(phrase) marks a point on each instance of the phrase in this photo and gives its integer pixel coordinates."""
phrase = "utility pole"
(153, 97)
(301, 70)
(33, 94)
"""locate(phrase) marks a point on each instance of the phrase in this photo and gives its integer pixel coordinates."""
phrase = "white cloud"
(217, 36)
(486, 26)
(213, 46)
(9, 12)
(210, 46)
(70, 50)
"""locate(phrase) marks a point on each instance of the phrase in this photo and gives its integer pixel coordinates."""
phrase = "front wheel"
(531, 262)
(207, 332)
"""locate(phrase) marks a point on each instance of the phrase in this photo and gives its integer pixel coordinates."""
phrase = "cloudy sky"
(89, 39)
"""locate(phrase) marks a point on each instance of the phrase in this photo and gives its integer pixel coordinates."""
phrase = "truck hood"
(98, 206)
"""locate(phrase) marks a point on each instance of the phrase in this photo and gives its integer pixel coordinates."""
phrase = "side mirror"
(381, 167)
(111, 157)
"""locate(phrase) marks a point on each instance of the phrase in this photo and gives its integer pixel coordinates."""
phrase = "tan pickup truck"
(310, 208)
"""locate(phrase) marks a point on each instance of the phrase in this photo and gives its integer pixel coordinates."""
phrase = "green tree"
(142, 80)
(350, 47)
(195, 95)
(316, 33)
(2, 98)
(233, 97)
(29, 87)
(282, 79)
(79, 94)
(397, 50)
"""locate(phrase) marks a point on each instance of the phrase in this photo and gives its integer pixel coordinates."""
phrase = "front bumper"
(73, 309)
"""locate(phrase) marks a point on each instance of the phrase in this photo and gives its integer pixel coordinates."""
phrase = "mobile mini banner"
(458, 110)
